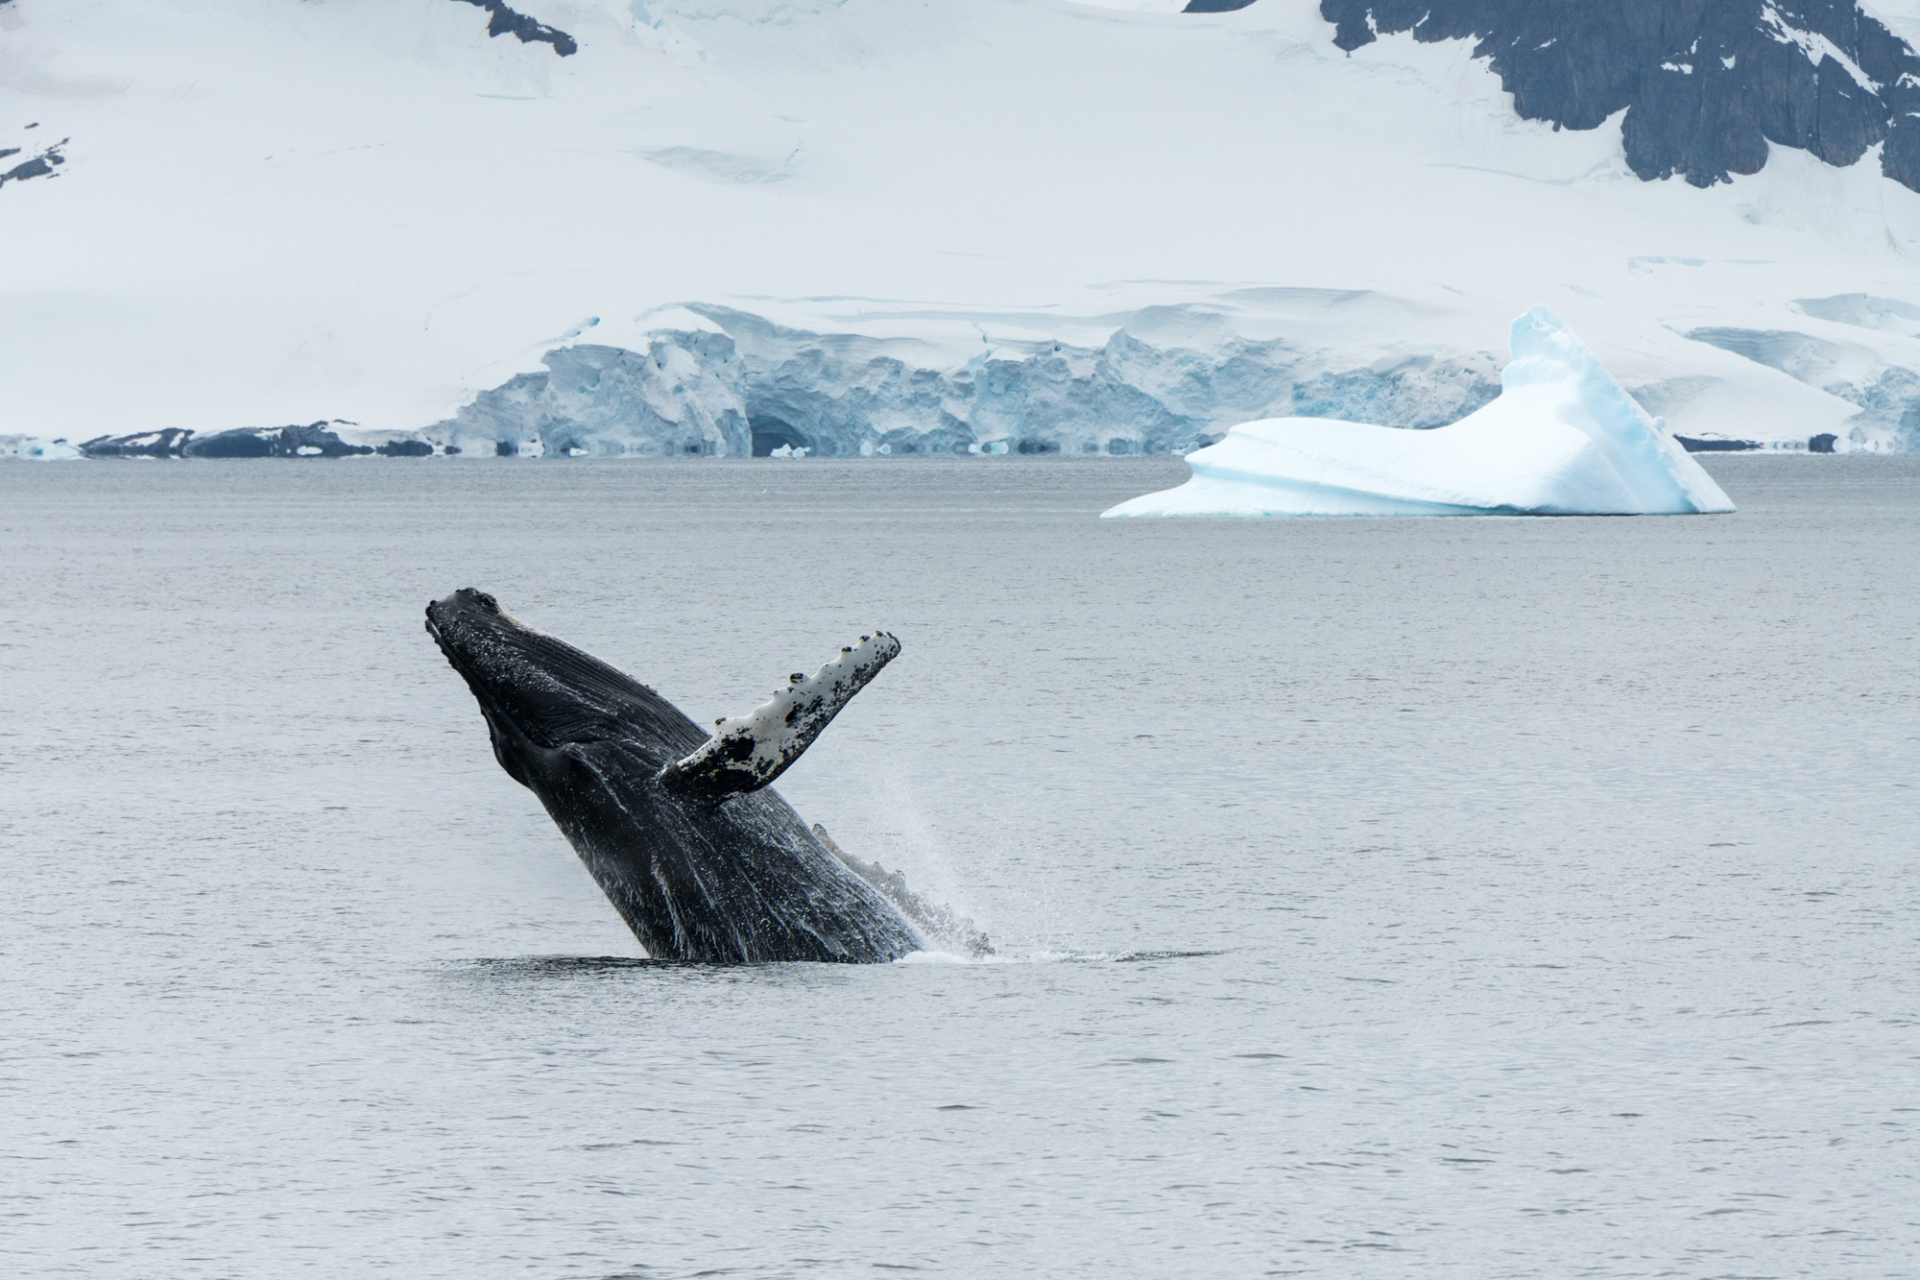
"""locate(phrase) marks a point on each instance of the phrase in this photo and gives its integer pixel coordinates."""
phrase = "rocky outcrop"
(1695, 444)
(167, 443)
(315, 440)
(509, 22)
(1706, 85)
(42, 165)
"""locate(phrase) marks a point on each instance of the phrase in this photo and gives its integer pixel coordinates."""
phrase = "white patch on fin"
(747, 752)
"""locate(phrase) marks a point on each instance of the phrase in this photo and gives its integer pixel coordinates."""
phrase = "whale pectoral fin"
(747, 752)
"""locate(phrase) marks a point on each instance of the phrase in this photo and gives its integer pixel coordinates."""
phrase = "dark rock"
(167, 443)
(406, 449)
(1706, 84)
(1822, 443)
(314, 440)
(1695, 445)
(311, 441)
(1215, 6)
(243, 443)
(41, 166)
(505, 22)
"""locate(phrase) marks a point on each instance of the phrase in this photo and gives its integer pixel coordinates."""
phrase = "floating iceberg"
(1562, 438)
(46, 451)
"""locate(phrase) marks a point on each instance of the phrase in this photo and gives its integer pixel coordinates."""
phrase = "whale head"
(540, 695)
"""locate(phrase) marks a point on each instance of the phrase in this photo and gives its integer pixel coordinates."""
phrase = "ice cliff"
(729, 383)
(1561, 439)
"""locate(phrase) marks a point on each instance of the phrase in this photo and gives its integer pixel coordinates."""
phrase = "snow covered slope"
(851, 225)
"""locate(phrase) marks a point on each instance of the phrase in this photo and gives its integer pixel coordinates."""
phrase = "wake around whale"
(678, 826)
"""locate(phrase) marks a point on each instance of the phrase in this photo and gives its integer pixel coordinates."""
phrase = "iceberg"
(46, 451)
(1561, 438)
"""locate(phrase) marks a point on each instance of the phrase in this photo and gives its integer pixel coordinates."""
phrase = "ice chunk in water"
(1562, 438)
(46, 451)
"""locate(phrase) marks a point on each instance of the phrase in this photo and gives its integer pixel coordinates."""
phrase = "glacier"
(786, 229)
(1562, 438)
(711, 381)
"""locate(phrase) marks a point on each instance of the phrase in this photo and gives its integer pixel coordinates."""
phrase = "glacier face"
(1855, 366)
(1562, 439)
(1166, 381)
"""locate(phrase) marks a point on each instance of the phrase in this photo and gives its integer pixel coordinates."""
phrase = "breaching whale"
(678, 826)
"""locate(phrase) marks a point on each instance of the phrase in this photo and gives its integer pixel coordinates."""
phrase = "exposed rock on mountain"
(505, 21)
(42, 165)
(1706, 84)
(315, 440)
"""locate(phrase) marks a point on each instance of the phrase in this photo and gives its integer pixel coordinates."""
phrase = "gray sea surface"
(1374, 897)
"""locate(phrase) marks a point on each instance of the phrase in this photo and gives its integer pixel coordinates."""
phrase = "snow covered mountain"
(852, 226)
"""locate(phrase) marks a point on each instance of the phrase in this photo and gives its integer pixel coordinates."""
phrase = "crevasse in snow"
(1561, 439)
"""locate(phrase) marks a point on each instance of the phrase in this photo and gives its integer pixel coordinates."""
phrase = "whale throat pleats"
(747, 752)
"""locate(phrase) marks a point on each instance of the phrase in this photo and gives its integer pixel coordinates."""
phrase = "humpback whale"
(678, 826)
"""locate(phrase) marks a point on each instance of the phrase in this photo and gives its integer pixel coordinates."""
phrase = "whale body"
(701, 859)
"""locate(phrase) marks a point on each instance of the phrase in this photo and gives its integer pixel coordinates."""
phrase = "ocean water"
(1374, 898)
